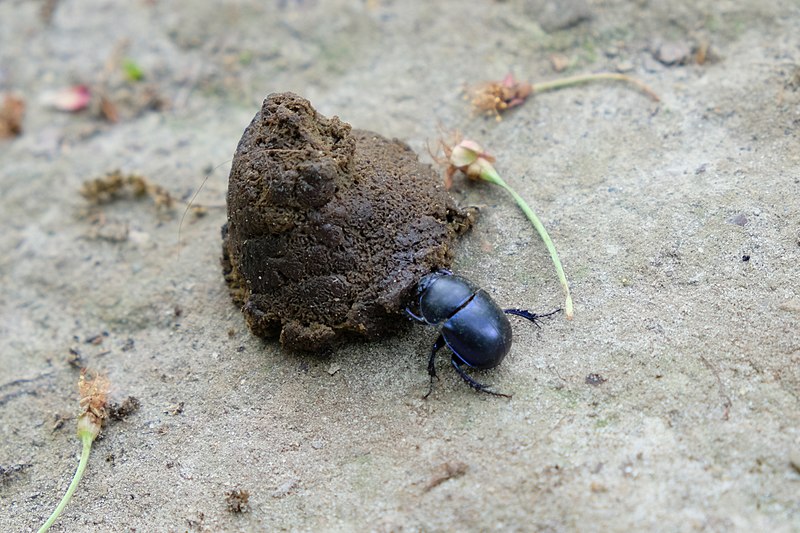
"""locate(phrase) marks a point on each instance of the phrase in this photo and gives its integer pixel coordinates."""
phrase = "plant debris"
(12, 111)
(175, 409)
(238, 500)
(69, 99)
(115, 185)
(496, 97)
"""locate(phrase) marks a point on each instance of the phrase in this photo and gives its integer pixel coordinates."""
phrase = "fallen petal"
(71, 99)
(464, 154)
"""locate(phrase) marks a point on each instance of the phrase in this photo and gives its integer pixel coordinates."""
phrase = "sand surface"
(670, 403)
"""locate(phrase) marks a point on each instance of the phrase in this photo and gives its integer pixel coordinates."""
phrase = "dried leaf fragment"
(114, 185)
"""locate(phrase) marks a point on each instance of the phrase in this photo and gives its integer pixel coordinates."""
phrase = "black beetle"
(474, 327)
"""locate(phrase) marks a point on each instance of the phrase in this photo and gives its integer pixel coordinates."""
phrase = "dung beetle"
(474, 327)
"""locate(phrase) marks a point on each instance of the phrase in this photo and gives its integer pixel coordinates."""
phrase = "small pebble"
(739, 220)
(285, 488)
(673, 53)
(794, 459)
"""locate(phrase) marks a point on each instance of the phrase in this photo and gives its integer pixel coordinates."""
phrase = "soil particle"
(329, 228)
(121, 411)
(595, 379)
(286, 488)
(11, 472)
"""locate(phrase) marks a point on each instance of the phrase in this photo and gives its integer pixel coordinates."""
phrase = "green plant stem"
(488, 173)
(586, 78)
(87, 439)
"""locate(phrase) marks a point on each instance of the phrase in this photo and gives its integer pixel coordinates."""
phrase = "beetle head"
(427, 280)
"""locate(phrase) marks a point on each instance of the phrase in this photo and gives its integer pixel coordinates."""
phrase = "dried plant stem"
(488, 173)
(87, 439)
(586, 78)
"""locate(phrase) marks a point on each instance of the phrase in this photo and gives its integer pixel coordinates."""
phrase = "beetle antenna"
(533, 317)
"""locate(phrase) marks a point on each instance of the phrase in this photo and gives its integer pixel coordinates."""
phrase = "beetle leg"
(438, 345)
(472, 383)
(533, 317)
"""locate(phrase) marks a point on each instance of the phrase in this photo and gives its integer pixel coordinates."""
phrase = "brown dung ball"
(329, 228)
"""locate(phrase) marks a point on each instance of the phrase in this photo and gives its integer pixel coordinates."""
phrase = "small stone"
(794, 459)
(139, 238)
(673, 53)
(595, 379)
(558, 15)
(624, 66)
(285, 488)
(739, 219)
(792, 305)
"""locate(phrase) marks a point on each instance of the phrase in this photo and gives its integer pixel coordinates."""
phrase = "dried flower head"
(461, 155)
(495, 97)
(466, 156)
(93, 401)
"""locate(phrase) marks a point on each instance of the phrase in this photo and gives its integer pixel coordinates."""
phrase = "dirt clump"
(330, 228)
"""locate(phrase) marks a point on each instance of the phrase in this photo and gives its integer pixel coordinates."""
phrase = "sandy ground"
(678, 224)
